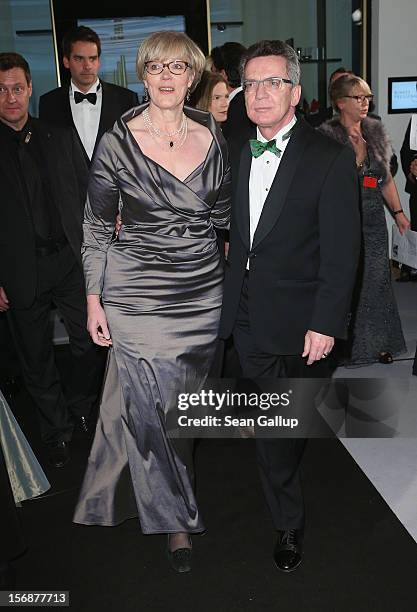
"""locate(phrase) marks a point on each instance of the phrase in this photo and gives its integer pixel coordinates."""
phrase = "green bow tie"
(258, 147)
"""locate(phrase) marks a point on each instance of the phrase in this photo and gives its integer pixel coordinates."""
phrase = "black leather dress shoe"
(180, 559)
(288, 550)
(59, 454)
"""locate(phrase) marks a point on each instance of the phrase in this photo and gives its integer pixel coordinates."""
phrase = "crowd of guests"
(119, 207)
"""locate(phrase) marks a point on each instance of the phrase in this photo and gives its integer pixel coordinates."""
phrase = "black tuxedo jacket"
(238, 126)
(54, 107)
(68, 177)
(407, 156)
(305, 251)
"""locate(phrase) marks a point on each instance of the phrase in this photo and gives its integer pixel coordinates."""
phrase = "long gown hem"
(144, 531)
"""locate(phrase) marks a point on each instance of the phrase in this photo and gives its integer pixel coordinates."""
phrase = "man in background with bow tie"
(88, 104)
(294, 246)
(43, 178)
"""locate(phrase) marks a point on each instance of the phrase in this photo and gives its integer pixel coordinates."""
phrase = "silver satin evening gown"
(161, 287)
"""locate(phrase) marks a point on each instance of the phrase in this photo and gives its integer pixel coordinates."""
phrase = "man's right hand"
(97, 322)
(4, 302)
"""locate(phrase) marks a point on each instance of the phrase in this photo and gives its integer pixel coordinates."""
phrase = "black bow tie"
(79, 97)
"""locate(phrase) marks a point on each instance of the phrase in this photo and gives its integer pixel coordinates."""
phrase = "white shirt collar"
(413, 133)
(234, 92)
(95, 87)
(278, 136)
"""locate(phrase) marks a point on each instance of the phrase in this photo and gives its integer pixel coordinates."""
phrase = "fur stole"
(379, 146)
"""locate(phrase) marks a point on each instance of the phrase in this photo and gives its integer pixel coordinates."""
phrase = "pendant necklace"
(168, 137)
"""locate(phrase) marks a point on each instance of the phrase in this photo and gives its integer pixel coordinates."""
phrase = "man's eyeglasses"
(175, 67)
(361, 99)
(270, 84)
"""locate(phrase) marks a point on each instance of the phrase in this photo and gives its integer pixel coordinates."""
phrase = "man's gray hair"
(274, 47)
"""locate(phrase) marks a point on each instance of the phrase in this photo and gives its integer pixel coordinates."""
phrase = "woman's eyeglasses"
(175, 67)
(361, 99)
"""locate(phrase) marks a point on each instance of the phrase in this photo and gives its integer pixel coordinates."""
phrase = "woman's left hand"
(402, 222)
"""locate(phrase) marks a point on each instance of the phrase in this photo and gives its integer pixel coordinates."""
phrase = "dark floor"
(358, 556)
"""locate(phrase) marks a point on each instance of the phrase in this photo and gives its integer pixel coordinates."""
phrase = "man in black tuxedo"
(294, 246)
(43, 179)
(88, 104)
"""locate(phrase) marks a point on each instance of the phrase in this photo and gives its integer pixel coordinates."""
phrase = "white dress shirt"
(234, 93)
(413, 133)
(262, 174)
(86, 116)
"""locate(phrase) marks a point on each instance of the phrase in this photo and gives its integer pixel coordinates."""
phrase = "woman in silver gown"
(154, 293)
(375, 332)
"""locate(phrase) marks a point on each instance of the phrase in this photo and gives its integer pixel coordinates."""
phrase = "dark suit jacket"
(305, 250)
(54, 107)
(68, 176)
(407, 156)
(238, 127)
(316, 119)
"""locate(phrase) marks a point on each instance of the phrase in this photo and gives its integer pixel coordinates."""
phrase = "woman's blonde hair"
(175, 45)
(203, 94)
(344, 86)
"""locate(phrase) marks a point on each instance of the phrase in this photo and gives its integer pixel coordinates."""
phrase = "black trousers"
(9, 365)
(60, 282)
(279, 459)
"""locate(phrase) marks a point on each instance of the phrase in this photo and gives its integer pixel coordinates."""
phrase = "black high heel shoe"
(180, 559)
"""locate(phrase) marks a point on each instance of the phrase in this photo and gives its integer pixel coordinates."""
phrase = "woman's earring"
(146, 95)
(188, 96)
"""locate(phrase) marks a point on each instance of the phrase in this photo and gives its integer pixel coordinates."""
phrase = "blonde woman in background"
(375, 330)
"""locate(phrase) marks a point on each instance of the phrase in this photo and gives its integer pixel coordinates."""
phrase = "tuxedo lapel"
(107, 113)
(241, 200)
(277, 196)
(69, 120)
(66, 108)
